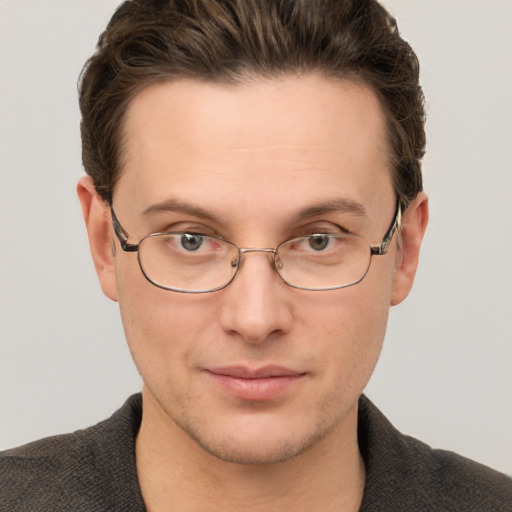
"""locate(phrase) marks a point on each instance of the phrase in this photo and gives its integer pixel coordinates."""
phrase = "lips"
(255, 384)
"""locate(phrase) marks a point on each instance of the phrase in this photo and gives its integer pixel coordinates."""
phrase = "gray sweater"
(93, 470)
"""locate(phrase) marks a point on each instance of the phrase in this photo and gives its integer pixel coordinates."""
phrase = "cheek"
(357, 338)
(354, 324)
(160, 326)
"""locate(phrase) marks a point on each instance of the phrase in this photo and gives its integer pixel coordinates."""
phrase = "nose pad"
(277, 262)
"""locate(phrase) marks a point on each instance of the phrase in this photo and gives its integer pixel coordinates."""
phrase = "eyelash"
(334, 229)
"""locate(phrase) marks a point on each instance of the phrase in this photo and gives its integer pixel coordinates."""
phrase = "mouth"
(255, 384)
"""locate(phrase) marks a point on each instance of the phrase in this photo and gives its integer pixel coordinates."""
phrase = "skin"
(251, 157)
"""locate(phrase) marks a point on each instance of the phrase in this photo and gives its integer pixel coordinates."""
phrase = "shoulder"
(40, 468)
(406, 474)
(457, 483)
(82, 471)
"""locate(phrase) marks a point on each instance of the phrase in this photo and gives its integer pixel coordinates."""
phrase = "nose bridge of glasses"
(256, 249)
(244, 250)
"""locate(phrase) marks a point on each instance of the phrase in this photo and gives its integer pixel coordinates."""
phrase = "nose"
(257, 304)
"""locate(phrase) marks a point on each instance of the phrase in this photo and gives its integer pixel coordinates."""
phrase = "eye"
(319, 242)
(191, 242)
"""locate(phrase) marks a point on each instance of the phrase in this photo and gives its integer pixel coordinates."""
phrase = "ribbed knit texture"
(93, 470)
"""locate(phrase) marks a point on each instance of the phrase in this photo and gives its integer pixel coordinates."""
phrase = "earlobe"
(97, 223)
(414, 224)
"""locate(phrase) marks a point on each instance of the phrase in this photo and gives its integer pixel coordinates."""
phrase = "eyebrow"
(342, 205)
(175, 205)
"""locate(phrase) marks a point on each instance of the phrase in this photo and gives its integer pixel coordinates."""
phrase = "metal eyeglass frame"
(375, 250)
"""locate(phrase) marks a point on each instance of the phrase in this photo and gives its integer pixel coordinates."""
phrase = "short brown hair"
(149, 41)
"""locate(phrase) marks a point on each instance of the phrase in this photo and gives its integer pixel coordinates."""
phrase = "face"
(258, 371)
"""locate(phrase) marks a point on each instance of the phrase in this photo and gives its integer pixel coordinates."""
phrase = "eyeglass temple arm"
(121, 234)
(383, 247)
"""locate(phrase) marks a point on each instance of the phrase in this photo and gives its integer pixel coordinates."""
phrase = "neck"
(176, 474)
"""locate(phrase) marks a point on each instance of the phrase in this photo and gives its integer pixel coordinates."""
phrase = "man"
(262, 159)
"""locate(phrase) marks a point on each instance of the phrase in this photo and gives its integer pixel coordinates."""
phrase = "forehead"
(277, 142)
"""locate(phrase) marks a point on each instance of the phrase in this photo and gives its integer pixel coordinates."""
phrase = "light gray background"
(445, 373)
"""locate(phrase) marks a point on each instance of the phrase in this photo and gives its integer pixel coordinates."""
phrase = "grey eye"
(191, 242)
(318, 242)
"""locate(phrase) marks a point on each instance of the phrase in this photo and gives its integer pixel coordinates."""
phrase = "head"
(255, 122)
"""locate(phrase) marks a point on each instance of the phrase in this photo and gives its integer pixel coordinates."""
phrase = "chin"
(253, 452)
(256, 444)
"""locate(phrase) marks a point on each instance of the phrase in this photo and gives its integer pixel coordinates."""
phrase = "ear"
(414, 224)
(97, 221)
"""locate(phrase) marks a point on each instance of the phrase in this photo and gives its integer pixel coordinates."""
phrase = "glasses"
(191, 262)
